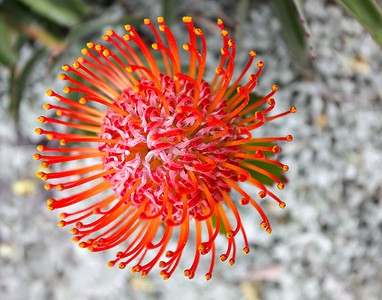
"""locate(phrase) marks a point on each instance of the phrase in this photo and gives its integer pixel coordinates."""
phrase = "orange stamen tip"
(252, 53)
(229, 234)
(50, 201)
(162, 28)
(75, 240)
(262, 194)
(40, 174)
(282, 205)
(281, 186)
(46, 106)
(74, 231)
(285, 168)
(106, 37)
(271, 101)
(49, 92)
(224, 32)
(65, 67)
(244, 201)
(160, 20)
(62, 216)
(269, 230)
(136, 89)
(99, 47)
(263, 224)
(274, 88)
(198, 31)
(128, 27)
(106, 52)
(50, 207)
(246, 250)
(49, 136)
(44, 164)
(110, 32)
(59, 113)
(47, 186)
(85, 51)
(147, 21)
(38, 131)
(231, 43)
(186, 47)
(41, 119)
(275, 149)
(110, 264)
(81, 60)
(90, 45)
(126, 37)
(60, 187)
(289, 138)
(293, 110)
(223, 257)
(63, 142)
(155, 46)
(82, 100)
(219, 21)
(187, 19)
(121, 265)
(144, 273)
(162, 264)
(260, 64)
(231, 262)
(208, 276)
(36, 156)
(61, 223)
(76, 65)
(129, 69)
(66, 90)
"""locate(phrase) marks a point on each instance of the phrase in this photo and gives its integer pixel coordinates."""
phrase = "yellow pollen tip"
(82, 100)
(285, 168)
(41, 119)
(252, 53)
(38, 131)
(49, 137)
(160, 20)
(62, 76)
(110, 264)
(61, 223)
(106, 52)
(90, 45)
(63, 142)
(208, 276)
(105, 37)
(282, 205)
(274, 88)
(231, 262)
(136, 89)
(44, 164)
(293, 110)
(129, 69)
(246, 250)
(46, 106)
(155, 46)
(66, 90)
(263, 224)
(36, 156)
(59, 113)
(147, 21)
(289, 138)
(198, 31)
(75, 240)
(121, 265)
(50, 207)
(65, 67)
(47, 186)
(81, 60)
(49, 92)
(231, 43)
(223, 257)
(269, 230)
(260, 64)
(126, 37)
(128, 27)
(186, 47)
(76, 65)
(281, 186)
(40, 148)
(62, 216)
(110, 32)
(224, 32)
(219, 21)
(60, 187)
(187, 19)
(162, 28)
(98, 47)
(85, 51)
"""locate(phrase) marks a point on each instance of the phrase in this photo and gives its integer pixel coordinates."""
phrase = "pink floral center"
(176, 151)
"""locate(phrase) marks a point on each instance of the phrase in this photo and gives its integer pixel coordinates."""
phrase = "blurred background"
(326, 58)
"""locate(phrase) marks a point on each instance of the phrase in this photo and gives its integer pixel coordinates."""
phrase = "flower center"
(168, 153)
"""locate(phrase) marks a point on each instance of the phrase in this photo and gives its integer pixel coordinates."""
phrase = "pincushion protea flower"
(170, 146)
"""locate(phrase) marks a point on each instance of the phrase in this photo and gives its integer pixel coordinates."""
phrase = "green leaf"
(169, 9)
(53, 12)
(368, 13)
(8, 56)
(293, 30)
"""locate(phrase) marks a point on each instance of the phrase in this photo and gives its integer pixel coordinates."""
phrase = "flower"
(170, 147)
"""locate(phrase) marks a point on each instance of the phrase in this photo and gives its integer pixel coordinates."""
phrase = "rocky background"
(326, 243)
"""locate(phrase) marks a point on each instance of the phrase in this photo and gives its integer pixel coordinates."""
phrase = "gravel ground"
(326, 244)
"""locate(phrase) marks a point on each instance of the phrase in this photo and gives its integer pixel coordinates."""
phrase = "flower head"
(170, 148)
